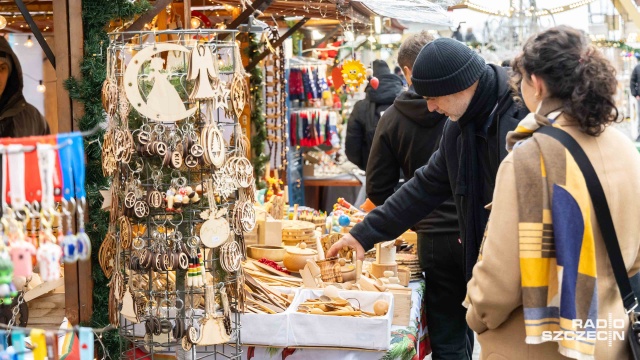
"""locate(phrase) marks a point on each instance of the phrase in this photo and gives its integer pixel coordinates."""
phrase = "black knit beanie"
(444, 67)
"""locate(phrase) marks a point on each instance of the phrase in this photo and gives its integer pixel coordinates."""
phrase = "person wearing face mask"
(544, 263)
(477, 99)
(18, 118)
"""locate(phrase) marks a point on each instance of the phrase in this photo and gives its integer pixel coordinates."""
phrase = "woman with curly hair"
(543, 287)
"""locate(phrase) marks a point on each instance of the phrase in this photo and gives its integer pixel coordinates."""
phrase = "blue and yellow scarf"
(557, 248)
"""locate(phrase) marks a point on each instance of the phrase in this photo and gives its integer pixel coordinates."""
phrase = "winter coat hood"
(414, 108)
(11, 100)
(389, 88)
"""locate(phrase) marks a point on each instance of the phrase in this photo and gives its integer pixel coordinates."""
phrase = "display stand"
(182, 192)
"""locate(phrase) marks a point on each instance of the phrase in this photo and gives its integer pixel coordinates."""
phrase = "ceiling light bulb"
(29, 42)
(41, 88)
(195, 22)
(3, 22)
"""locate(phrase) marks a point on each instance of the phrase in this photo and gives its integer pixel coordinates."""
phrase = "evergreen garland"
(96, 16)
(258, 121)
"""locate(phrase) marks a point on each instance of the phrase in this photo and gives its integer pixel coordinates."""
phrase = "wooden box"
(402, 306)
(46, 305)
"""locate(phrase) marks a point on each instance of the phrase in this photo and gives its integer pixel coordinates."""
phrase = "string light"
(195, 22)
(41, 88)
(29, 42)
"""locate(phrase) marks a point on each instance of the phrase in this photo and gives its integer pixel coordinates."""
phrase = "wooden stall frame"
(69, 52)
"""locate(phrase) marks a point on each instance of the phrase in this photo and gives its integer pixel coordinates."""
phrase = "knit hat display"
(444, 67)
(380, 67)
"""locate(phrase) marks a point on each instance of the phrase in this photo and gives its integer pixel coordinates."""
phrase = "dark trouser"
(441, 258)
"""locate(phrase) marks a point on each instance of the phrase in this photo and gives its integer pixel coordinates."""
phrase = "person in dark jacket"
(635, 92)
(477, 99)
(366, 113)
(406, 137)
(458, 34)
(18, 118)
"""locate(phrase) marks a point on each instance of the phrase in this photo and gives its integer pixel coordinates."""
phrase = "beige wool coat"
(494, 292)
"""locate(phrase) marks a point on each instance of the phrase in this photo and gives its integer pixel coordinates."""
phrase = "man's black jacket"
(406, 137)
(436, 182)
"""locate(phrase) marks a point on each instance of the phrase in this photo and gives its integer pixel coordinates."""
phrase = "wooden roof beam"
(276, 43)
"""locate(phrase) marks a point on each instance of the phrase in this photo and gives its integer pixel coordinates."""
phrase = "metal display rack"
(164, 299)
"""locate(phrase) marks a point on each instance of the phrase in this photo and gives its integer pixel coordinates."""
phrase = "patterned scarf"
(557, 248)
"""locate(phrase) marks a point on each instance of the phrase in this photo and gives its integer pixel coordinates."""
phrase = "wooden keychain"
(215, 230)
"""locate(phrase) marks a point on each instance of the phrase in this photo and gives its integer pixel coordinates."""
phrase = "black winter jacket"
(18, 118)
(436, 182)
(406, 137)
(365, 115)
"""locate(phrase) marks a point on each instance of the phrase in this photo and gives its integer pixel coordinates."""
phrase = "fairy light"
(41, 88)
(483, 9)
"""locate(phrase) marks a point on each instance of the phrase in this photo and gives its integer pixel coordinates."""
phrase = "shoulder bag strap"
(601, 209)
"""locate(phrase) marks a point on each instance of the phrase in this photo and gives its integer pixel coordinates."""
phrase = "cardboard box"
(372, 333)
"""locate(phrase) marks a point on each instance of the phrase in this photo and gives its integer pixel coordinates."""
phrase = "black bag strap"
(601, 208)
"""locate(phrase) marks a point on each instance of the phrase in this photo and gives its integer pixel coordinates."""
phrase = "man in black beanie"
(406, 137)
(366, 113)
(477, 99)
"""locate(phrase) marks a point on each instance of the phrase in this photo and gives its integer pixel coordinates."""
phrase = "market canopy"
(418, 11)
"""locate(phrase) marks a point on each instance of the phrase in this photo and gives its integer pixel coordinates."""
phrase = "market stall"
(192, 120)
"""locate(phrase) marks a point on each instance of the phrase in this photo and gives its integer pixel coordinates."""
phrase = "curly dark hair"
(575, 72)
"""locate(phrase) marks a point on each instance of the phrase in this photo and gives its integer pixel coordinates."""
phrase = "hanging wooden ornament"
(106, 255)
(230, 256)
(213, 331)
(126, 235)
(214, 232)
(353, 73)
(163, 103)
(203, 69)
(239, 94)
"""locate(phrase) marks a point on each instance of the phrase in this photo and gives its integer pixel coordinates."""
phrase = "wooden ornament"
(202, 69)
(239, 94)
(163, 101)
(144, 137)
(191, 161)
(126, 234)
(129, 308)
(130, 200)
(176, 159)
(154, 199)
(141, 209)
(214, 232)
(213, 331)
(186, 343)
(106, 255)
(197, 150)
